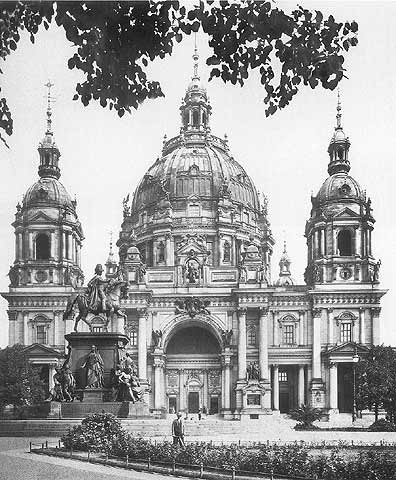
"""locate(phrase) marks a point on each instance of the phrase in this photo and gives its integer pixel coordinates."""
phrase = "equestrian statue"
(102, 296)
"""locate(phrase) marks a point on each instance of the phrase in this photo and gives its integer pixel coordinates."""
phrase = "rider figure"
(95, 291)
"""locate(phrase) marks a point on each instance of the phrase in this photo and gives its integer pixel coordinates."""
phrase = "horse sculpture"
(112, 303)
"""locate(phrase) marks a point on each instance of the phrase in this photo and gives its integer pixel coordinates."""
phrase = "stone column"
(57, 316)
(205, 388)
(169, 260)
(69, 245)
(275, 328)
(242, 343)
(142, 344)
(301, 327)
(52, 246)
(226, 363)
(275, 386)
(158, 381)
(263, 343)
(323, 241)
(362, 333)
(19, 252)
(316, 344)
(375, 325)
(358, 240)
(31, 251)
(181, 389)
(330, 325)
(26, 328)
(63, 245)
(333, 386)
(301, 385)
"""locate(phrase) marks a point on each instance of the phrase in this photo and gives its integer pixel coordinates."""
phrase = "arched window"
(195, 118)
(204, 118)
(251, 337)
(344, 243)
(42, 247)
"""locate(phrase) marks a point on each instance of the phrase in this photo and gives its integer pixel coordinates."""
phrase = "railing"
(196, 470)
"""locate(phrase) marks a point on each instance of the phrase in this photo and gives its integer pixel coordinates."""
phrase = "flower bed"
(103, 433)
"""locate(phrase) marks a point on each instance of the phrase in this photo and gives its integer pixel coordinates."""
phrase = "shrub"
(382, 425)
(97, 432)
(305, 416)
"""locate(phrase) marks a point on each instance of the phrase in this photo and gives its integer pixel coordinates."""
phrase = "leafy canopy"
(20, 384)
(376, 380)
(115, 41)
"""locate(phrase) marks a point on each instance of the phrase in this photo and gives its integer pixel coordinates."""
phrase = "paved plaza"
(18, 464)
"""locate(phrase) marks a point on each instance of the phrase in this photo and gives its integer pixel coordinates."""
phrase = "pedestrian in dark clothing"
(200, 414)
(178, 430)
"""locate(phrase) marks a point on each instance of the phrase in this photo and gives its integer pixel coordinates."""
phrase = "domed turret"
(339, 230)
(48, 232)
(285, 278)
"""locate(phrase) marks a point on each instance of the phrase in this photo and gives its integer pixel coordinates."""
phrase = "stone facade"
(207, 325)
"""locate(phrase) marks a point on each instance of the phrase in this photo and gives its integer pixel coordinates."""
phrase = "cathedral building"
(208, 323)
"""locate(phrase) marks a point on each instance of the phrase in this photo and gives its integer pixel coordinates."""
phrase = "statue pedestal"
(107, 345)
(92, 395)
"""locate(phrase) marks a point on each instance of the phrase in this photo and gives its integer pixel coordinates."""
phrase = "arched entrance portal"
(193, 369)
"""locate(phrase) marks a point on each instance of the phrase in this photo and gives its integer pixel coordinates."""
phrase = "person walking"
(178, 430)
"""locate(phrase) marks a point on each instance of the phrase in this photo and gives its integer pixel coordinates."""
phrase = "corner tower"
(339, 230)
(48, 238)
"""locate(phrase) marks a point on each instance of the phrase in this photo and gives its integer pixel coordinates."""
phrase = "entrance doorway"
(193, 402)
(172, 405)
(214, 405)
(287, 388)
(345, 387)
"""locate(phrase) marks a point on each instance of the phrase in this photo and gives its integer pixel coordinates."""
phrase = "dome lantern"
(48, 150)
(339, 147)
(195, 109)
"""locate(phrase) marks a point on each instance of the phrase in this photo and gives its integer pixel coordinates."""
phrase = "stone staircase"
(207, 429)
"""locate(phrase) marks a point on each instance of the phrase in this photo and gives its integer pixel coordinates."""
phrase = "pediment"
(38, 350)
(41, 217)
(346, 213)
(192, 243)
(348, 348)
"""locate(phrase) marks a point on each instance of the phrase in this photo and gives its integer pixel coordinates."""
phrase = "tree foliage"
(20, 384)
(115, 41)
(376, 381)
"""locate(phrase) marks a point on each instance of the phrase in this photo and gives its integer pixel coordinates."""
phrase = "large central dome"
(195, 188)
(201, 167)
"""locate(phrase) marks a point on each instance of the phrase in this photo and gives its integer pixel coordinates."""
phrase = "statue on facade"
(375, 272)
(141, 272)
(192, 306)
(94, 369)
(157, 338)
(125, 207)
(242, 271)
(226, 336)
(252, 371)
(102, 297)
(192, 271)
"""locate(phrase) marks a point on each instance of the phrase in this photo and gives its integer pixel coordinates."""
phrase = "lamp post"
(355, 360)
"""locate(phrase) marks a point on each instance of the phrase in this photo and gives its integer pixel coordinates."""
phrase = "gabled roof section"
(347, 348)
(39, 350)
(346, 212)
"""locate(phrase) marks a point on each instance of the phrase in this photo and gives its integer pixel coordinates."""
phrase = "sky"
(104, 157)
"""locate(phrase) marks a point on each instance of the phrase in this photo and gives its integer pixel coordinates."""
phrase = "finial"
(338, 116)
(49, 85)
(195, 58)
(284, 246)
(111, 242)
